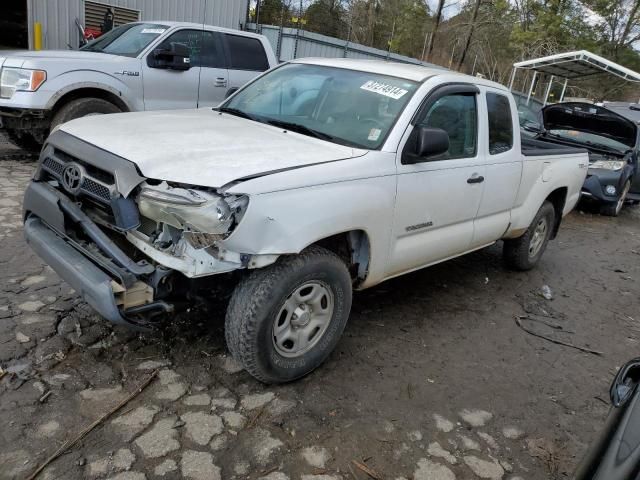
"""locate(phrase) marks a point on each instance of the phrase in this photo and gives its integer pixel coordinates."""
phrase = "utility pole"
(346, 45)
(279, 46)
(424, 45)
(393, 31)
(453, 49)
(295, 46)
(258, 16)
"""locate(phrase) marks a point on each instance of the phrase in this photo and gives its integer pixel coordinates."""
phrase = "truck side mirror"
(425, 142)
(176, 57)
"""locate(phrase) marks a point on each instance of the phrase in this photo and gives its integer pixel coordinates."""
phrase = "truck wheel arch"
(557, 198)
(74, 92)
(354, 248)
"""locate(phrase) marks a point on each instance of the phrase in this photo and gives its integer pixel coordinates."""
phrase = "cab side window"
(246, 53)
(456, 114)
(500, 123)
(204, 50)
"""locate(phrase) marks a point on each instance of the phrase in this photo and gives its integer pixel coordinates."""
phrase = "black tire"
(614, 209)
(258, 300)
(517, 254)
(23, 139)
(82, 107)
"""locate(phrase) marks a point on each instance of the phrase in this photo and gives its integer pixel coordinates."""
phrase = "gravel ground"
(433, 379)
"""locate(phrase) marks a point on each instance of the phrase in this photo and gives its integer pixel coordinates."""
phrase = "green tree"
(327, 17)
(272, 12)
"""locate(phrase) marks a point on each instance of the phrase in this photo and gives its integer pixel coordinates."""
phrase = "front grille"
(94, 188)
(97, 183)
(54, 167)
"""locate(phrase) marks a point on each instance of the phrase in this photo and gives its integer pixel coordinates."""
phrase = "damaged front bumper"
(595, 185)
(85, 277)
(112, 283)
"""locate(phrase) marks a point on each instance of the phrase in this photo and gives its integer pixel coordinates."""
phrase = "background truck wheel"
(614, 209)
(24, 140)
(284, 320)
(82, 107)
(524, 253)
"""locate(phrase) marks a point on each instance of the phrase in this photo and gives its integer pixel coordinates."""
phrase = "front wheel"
(82, 107)
(525, 252)
(284, 320)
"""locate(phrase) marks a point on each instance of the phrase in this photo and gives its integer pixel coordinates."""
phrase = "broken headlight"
(204, 217)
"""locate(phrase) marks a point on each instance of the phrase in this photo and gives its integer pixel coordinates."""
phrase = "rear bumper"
(74, 268)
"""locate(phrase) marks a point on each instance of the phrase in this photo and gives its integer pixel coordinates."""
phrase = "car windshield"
(590, 139)
(348, 107)
(126, 40)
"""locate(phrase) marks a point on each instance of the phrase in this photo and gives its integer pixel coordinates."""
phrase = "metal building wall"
(58, 16)
(310, 44)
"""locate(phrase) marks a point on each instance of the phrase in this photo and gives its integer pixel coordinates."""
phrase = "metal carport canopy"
(570, 65)
(577, 64)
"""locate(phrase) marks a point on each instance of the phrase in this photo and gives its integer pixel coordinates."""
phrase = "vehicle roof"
(200, 25)
(416, 73)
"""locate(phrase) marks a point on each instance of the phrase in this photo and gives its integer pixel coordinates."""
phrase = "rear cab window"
(500, 123)
(245, 53)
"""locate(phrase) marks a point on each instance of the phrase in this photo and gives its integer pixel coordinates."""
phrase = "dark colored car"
(611, 135)
(615, 455)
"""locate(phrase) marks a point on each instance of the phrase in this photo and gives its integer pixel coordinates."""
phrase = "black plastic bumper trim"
(87, 279)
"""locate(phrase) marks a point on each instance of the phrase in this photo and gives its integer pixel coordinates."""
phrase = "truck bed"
(536, 148)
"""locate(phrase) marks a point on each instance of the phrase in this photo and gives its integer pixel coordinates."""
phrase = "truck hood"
(589, 118)
(35, 59)
(203, 147)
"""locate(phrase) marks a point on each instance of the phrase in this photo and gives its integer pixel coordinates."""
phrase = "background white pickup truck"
(135, 67)
(321, 176)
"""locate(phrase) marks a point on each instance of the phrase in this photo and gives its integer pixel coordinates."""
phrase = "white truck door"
(166, 89)
(503, 169)
(438, 198)
(214, 77)
(246, 59)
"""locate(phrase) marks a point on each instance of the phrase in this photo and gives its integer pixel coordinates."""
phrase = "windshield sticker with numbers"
(153, 30)
(374, 134)
(384, 89)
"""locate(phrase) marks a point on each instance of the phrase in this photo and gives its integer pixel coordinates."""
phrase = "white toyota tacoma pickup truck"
(319, 177)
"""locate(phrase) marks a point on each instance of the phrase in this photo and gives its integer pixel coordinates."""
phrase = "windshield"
(590, 139)
(126, 40)
(343, 106)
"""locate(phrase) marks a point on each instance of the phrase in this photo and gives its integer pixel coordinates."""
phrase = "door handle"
(221, 82)
(475, 179)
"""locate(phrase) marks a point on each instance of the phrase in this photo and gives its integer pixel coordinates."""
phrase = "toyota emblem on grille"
(72, 177)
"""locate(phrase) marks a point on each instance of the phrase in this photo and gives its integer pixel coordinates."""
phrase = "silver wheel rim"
(623, 196)
(303, 319)
(538, 237)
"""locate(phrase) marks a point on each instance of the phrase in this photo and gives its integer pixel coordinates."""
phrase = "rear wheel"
(525, 252)
(82, 107)
(614, 209)
(284, 320)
